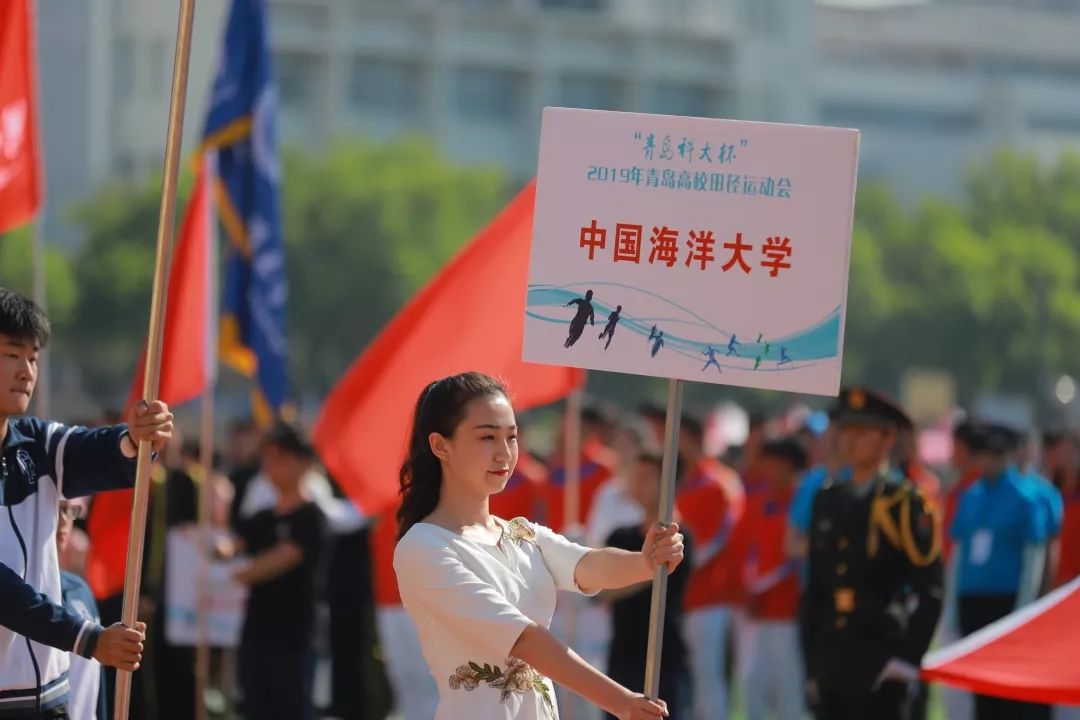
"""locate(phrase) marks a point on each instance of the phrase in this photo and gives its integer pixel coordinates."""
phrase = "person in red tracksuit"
(597, 466)
(774, 681)
(1064, 451)
(1069, 566)
(710, 499)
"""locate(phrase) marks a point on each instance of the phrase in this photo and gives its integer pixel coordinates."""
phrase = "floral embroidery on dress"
(520, 530)
(519, 677)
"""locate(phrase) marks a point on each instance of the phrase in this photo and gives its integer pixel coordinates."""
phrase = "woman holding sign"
(481, 589)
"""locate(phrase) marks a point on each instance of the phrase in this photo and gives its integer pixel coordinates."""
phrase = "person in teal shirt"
(1053, 506)
(802, 502)
(1000, 532)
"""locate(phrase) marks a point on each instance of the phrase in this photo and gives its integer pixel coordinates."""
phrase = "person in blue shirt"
(40, 463)
(1053, 506)
(802, 502)
(1000, 533)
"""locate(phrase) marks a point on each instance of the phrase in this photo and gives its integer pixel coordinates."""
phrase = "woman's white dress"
(471, 601)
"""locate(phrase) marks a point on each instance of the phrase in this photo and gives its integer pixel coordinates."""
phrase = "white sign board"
(708, 250)
(227, 599)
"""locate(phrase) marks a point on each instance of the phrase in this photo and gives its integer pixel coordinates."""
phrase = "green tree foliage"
(114, 270)
(987, 288)
(16, 273)
(365, 225)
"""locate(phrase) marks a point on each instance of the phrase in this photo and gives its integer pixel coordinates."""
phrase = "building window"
(160, 64)
(125, 166)
(590, 5)
(683, 99)
(292, 17)
(386, 85)
(124, 68)
(998, 65)
(590, 92)
(859, 115)
(1055, 123)
(297, 75)
(489, 94)
(764, 17)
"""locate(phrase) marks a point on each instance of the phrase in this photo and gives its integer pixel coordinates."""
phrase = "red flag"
(187, 365)
(108, 526)
(1029, 655)
(471, 316)
(189, 341)
(20, 158)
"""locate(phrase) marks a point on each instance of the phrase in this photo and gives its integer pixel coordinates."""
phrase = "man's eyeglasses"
(71, 511)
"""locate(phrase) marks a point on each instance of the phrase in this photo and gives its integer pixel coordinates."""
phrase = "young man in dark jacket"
(40, 463)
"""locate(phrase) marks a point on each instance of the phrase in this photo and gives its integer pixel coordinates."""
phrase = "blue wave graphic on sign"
(687, 332)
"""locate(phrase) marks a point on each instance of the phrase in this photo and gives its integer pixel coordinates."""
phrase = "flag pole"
(572, 509)
(572, 461)
(206, 458)
(42, 390)
(206, 461)
(152, 371)
(37, 254)
(665, 514)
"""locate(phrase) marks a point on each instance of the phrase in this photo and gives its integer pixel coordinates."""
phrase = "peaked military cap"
(863, 406)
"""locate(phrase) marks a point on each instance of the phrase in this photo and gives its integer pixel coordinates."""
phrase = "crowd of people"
(822, 558)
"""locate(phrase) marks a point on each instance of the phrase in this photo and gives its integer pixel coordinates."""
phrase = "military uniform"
(874, 586)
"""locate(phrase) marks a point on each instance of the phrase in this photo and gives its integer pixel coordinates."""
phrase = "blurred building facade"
(932, 86)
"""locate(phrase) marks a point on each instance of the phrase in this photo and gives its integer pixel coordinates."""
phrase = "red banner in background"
(21, 173)
(469, 317)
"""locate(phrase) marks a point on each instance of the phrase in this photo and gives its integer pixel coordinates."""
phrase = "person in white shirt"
(482, 589)
(613, 507)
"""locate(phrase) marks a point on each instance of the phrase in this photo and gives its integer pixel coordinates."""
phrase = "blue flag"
(240, 126)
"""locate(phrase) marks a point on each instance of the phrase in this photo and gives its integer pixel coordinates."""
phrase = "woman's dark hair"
(439, 409)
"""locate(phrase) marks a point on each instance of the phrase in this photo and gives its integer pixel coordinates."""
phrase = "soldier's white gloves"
(897, 669)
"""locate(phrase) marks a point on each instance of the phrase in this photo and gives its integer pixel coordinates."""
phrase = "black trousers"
(918, 708)
(346, 663)
(57, 713)
(974, 613)
(348, 596)
(888, 702)
(173, 673)
(277, 683)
